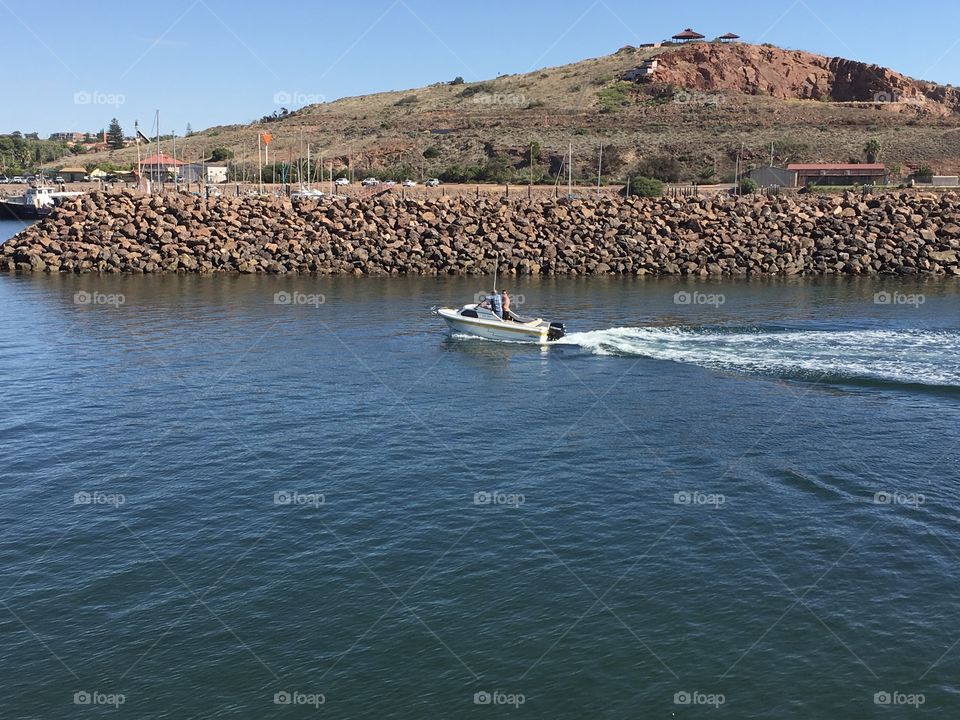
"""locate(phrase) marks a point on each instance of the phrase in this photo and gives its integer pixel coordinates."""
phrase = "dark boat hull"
(18, 211)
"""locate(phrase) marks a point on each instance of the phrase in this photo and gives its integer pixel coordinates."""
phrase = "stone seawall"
(892, 234)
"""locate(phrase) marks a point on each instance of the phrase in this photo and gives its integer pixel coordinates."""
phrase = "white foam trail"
(914, 356)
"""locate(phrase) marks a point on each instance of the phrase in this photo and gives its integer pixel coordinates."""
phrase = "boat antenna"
(495, 268)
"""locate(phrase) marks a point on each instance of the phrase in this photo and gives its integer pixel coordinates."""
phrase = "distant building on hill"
(643, 71)
(68, 136)
(688, 35)
(728, 37)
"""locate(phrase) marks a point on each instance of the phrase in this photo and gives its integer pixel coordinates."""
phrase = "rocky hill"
(686, 122)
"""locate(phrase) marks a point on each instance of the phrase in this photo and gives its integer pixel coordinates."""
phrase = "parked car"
(409, 183)
(58, 179)
(370, 182)
(389, 183)
(17, 179)
(432, 182)
(4, 179)
(341, 181)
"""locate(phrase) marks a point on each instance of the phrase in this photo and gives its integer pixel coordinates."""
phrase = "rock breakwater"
(889, 233)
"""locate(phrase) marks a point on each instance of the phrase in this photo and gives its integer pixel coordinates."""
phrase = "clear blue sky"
(73, 66)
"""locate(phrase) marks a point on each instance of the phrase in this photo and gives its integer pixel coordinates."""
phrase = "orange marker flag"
(267, 137)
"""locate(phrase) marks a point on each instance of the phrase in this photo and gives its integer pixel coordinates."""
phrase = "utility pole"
(599, 169)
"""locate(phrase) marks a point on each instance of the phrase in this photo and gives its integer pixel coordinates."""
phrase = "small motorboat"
(481, 320)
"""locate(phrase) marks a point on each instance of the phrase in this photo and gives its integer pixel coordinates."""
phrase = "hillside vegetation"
(687, 123)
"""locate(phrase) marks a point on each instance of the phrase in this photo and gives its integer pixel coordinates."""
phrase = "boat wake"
(921, 357)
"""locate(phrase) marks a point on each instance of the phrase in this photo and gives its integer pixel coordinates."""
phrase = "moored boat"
(37, 202)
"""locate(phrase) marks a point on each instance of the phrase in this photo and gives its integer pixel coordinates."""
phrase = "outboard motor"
(556, 331)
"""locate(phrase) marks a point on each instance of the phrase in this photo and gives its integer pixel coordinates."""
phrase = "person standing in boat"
(496, 304)
(505, 301)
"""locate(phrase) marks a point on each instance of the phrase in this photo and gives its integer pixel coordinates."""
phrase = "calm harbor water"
(724, 499)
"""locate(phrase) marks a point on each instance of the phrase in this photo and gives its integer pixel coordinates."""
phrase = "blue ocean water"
(218, 505)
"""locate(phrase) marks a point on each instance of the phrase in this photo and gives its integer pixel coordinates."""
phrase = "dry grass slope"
(689, 123)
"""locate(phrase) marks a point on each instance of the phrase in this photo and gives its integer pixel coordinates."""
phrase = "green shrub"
(748, 186)
(431, 152)
(641, 186)
(662, 167)
(408, 100)
(221, 153)
(614, 97)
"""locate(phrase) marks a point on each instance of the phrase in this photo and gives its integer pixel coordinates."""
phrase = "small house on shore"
(839, 173)
(72, 174)
(803, 174)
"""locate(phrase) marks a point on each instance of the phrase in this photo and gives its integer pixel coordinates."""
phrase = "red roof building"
(160, 168)
(728, 37)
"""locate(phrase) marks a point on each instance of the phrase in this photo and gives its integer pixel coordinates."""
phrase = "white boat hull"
(493, 328)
